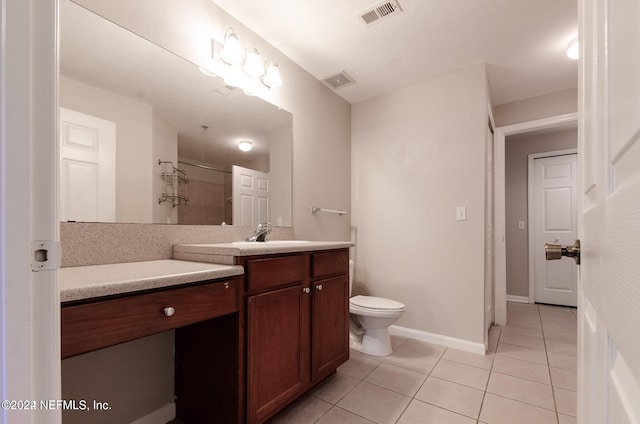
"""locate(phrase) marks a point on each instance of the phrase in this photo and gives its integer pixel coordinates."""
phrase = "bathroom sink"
(258, 243)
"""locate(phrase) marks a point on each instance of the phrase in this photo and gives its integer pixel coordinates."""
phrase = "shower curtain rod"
(210, 168)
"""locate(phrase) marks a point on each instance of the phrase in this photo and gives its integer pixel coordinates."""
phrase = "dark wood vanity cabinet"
(277, 350)
(297, 325)
(208, 351)
(245, 347)
(330, 325)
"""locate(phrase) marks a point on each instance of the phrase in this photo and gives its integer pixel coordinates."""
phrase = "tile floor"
(529, 376)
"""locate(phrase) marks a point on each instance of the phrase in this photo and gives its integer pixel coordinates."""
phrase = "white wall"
(417, 153)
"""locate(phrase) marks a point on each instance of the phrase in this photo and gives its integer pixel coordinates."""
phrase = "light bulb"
(253, 63)
(231, 51)
(573, 51)
(272, 75)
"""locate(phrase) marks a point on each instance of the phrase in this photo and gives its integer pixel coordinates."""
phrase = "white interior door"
(609, 277)
(250, 196)
(87, 168)
(554, 213)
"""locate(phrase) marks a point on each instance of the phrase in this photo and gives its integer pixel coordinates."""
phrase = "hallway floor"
(528, 376)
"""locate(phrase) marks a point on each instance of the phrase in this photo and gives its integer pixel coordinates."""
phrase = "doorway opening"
(502, 137)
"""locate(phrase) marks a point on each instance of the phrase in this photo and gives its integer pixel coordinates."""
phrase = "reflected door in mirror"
(87, 168)
(250, 196)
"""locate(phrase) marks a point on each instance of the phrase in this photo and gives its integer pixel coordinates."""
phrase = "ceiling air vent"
(339, 80)
(381, 11)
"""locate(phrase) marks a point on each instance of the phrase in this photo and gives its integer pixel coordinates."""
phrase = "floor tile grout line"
(439, 357)
(555, 410)
(413, 398)
(484, 395)
(521, 378)
(546, 354)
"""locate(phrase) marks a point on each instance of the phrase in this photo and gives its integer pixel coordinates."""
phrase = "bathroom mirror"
(165, 108)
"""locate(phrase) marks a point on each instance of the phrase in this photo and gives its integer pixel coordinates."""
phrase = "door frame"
(530, 212)
(500, 248)
(30, 313)
(489, 235)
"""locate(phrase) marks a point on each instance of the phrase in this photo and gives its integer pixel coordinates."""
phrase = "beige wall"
(280, 176)
(164, 147)
(321, 152)
(147, 380)
(517, 151)
(545, 106)
(417, 153)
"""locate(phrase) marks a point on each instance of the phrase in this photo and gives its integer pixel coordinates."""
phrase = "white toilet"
(373, 316)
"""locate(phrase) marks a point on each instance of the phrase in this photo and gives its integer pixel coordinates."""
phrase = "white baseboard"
(159, 416)
(519, 299)
(438, 339)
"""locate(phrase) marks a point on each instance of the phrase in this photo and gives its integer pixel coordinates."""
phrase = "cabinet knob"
(169, 311)
(306, 290)
(319, 287)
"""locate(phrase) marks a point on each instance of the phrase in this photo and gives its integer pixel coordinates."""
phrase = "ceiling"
(522, 42)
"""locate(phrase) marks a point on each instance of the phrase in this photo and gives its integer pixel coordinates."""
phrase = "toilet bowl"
(374, 315)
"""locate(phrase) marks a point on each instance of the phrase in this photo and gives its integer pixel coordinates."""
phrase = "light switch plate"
(521, 225)
(461, 213)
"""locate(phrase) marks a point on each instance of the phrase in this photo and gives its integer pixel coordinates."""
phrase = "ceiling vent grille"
(339, 80)
(381, 11)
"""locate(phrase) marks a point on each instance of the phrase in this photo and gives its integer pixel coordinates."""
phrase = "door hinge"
(45, 255)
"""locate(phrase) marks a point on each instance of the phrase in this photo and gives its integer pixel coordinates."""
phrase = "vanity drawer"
(95, 325)
(329, 263)
(268, 273)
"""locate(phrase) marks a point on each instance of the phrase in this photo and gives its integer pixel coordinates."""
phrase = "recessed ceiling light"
(245, 145)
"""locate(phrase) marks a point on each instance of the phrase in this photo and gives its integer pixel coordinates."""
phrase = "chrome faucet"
(261, 232)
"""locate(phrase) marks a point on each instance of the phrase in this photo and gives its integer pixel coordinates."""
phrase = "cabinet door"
(330, 325)
(278, 350)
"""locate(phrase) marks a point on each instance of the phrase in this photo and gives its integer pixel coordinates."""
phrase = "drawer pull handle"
(306, 290)
(169, 311)
(319, 287)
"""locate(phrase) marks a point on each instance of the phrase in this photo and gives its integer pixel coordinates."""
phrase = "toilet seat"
(372, 303)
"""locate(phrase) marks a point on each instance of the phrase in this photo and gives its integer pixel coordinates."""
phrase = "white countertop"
(85, 282)
(216, 252)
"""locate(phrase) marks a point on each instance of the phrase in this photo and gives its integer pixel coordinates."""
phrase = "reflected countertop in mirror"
(165, 108)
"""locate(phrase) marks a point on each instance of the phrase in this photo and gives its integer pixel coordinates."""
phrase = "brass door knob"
(554, 251)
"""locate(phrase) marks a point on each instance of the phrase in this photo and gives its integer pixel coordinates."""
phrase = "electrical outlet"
(461, 213)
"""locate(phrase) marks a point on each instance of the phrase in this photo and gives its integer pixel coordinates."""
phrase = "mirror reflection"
(127, 104)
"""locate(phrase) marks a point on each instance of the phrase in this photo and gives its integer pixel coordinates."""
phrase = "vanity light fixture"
(231, 52)
(573, 51)
(272, 75)
(245, 145)
(242, 68)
